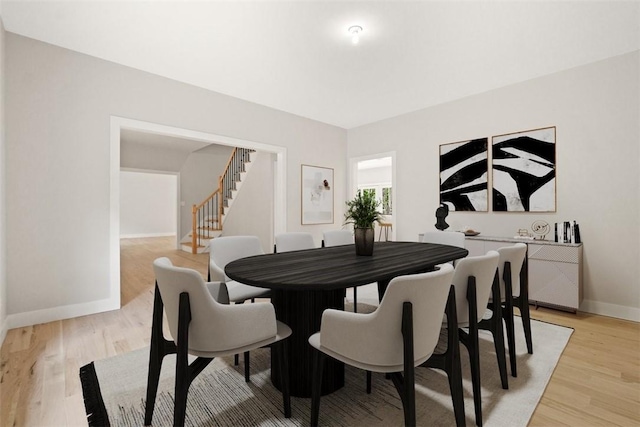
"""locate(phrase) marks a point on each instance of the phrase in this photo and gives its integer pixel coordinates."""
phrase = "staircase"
(208, 217)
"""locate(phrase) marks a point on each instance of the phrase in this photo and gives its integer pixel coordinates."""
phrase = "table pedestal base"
(302, 312)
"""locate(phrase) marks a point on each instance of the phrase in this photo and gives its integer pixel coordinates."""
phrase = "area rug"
(114, 391)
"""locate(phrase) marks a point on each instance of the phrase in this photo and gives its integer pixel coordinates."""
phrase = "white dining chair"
(293, 241)
(513, 292)
(203, 327)
(474, 279)
(223, 250)
(337, 238)
(400, 335)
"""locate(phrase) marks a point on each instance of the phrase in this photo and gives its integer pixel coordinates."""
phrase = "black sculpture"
(441, 214)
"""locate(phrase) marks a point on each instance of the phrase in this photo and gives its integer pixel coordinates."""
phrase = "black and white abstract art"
(463, 175)
(524, 171)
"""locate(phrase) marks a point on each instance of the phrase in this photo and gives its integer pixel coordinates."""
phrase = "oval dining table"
(305, 283)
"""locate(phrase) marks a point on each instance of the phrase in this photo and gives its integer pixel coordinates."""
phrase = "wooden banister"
(207, 216)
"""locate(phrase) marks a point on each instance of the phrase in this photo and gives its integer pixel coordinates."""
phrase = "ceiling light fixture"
(355, 31)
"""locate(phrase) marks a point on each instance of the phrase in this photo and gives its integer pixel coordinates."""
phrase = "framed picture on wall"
(463, 175)
(524, 171)
(317, 195)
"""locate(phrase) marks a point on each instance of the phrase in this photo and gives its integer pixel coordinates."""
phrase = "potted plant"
(362, 212)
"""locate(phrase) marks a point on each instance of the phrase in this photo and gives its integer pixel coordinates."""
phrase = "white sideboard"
(555, 269)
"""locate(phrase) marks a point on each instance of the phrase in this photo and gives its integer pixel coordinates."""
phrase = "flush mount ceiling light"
(355, 31)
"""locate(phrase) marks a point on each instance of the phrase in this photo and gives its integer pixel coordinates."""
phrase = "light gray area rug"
(220, 397)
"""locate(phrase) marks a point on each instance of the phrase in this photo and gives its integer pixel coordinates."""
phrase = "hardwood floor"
(596, 382)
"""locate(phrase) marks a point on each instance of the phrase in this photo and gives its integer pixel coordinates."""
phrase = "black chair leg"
(368, 382)
(494, 325)
(498, 343)
(318, 365)
(409, 369)
(281, 348)
(523, 305)
(236, 359)
(247, 369)
(449, 361)
(471, 342)
(160, 347)
(355, 299)
(405, 381)
(508, 318)
(182, 362)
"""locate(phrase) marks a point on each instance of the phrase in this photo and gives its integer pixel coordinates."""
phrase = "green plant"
(362, 210)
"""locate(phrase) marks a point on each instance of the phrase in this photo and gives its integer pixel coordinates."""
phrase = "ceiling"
(298, 57)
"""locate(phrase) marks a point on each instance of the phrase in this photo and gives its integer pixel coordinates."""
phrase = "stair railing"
(207, 216)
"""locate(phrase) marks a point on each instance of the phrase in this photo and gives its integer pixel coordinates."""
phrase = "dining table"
(305, 283)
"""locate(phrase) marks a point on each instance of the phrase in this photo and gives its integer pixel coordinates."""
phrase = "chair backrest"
(223, 250)
(214, 326)
(428, 293)
(451, 238)
(337, 238)
(294, 241)
(205, 310)
(515, 256)
(483, 268)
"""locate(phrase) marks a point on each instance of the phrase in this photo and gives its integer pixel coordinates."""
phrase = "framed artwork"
(317, 195)
(524, 171)
(464, 169)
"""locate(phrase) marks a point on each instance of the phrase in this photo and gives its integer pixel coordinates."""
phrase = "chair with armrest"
(400, 335)
(474, 279)
(293, 241)
(513, 291)
(223, 250)
(203, 326)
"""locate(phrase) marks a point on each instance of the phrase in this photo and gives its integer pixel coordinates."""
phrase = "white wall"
(58, 106)
(148, 204)
(380, 175)
(3, 231)
(595, 109)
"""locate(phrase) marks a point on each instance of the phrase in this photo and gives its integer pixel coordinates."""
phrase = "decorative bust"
(441, 214)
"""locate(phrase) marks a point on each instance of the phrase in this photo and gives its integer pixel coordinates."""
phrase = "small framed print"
(317, 195)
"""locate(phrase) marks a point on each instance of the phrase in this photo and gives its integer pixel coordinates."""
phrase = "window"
(382, 192)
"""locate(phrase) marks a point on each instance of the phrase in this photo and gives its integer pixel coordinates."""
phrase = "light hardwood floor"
(596, 382)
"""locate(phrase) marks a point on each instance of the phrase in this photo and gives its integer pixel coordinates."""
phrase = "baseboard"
(139, 236)
(46, 315)
(611, 310)
(3, 331)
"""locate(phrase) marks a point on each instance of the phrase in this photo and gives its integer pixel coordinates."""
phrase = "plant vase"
(364, 241)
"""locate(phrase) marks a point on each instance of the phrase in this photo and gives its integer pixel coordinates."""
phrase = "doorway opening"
(118, 124)
(376, 174)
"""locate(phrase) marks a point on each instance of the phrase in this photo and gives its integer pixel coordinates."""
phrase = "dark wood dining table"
(305, 283)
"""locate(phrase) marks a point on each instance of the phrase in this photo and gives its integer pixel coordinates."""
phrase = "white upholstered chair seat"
(314, 340)
(282, 331)
(239, 292)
